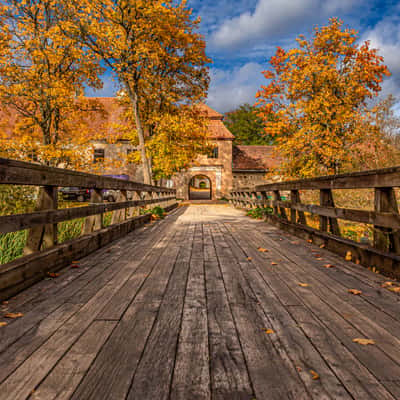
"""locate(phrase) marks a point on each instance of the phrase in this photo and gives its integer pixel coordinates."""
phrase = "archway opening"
(200, 188)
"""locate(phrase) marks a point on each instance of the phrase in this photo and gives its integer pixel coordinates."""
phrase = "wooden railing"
(42, 251)
(381, 253)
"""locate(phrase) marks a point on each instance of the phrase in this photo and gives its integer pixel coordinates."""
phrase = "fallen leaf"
(309, 241)
(13, 315)
(75, 262)
(319, 259)
(328, 266)
(317, 255)
(364, 342)
(262, 250)
(358, 261)
(298, 369)
(394, 289)
(355, 291)
(53, 274)
(303, 284)
(74, 266)
(348, 256)
(322, 246)
(386, 284)
(4, 303)
(269, 331)
(3, 324)
(274, 263)
(249, 258)
(314, 375)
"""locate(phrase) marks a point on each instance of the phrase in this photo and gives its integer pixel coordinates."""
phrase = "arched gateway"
(200, 188)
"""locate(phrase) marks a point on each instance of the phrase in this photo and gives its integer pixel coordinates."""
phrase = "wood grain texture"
(189, 308)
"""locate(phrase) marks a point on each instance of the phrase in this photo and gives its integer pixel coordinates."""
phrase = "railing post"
(94, 222)
(277, 210)
(255, 199)
(120, 215)
(43, 236)
(264, 199)
(384, 238)
(295, 199)
(326, 200)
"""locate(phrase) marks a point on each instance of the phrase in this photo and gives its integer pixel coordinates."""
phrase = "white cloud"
(230, 89)
(275, 18)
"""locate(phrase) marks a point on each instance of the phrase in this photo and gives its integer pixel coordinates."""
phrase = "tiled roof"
(254, 158)
(105, 121)
(212, 114)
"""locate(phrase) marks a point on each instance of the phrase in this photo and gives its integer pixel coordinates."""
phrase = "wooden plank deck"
(180, 310)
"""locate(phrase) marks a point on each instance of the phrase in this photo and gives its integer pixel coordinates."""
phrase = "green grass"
(259, 212)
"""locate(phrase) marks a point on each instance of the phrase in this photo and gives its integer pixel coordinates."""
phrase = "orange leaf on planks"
(13, 315)
(314, 375)
(363, 342)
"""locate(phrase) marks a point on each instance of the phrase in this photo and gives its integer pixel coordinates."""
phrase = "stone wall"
(249, 178)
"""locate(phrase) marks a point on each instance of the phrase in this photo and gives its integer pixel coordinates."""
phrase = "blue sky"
(242, 35)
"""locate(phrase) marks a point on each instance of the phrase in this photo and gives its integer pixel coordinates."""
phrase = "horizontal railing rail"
(130, 198)
(382, 252)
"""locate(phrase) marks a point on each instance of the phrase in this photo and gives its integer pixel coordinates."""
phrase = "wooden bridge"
(204, 304)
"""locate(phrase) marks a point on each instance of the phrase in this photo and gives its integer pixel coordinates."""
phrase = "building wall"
(249, 178)
(115, 159)
(218, 170)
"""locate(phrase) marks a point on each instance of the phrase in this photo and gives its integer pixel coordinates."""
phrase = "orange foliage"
(318, 96)
(42, 75)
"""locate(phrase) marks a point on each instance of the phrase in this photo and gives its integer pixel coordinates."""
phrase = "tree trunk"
(147, 175)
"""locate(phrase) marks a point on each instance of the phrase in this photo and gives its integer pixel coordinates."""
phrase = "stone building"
(210, 176)
(213, 176)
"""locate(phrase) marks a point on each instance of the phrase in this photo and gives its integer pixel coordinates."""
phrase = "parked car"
(75, 193)
(110, 194)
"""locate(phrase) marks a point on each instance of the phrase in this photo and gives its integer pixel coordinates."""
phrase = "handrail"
(42, 252)
(384, 250)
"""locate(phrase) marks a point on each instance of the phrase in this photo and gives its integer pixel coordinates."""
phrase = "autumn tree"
(319, 95)
(247, 126)
(153, 51)
(42, 76)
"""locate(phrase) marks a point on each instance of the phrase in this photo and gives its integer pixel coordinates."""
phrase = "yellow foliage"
(317, 95)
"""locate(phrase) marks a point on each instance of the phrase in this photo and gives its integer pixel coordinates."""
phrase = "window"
(214, 153)
(98, 155)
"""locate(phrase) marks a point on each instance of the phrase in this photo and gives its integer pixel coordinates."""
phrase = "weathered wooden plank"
(266, 378)
(191, 378)
(286, 332)
(162, 342)
(355, 376)
(229, 374)
(14, 172)
(24, 272)
(387, 263)
(17, 222)
(65, 377)
(330, 310)
(111, 374)
(46, 235)
(387, 177)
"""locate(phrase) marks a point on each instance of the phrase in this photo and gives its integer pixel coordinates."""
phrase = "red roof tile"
(254, 158)
(105, 121)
